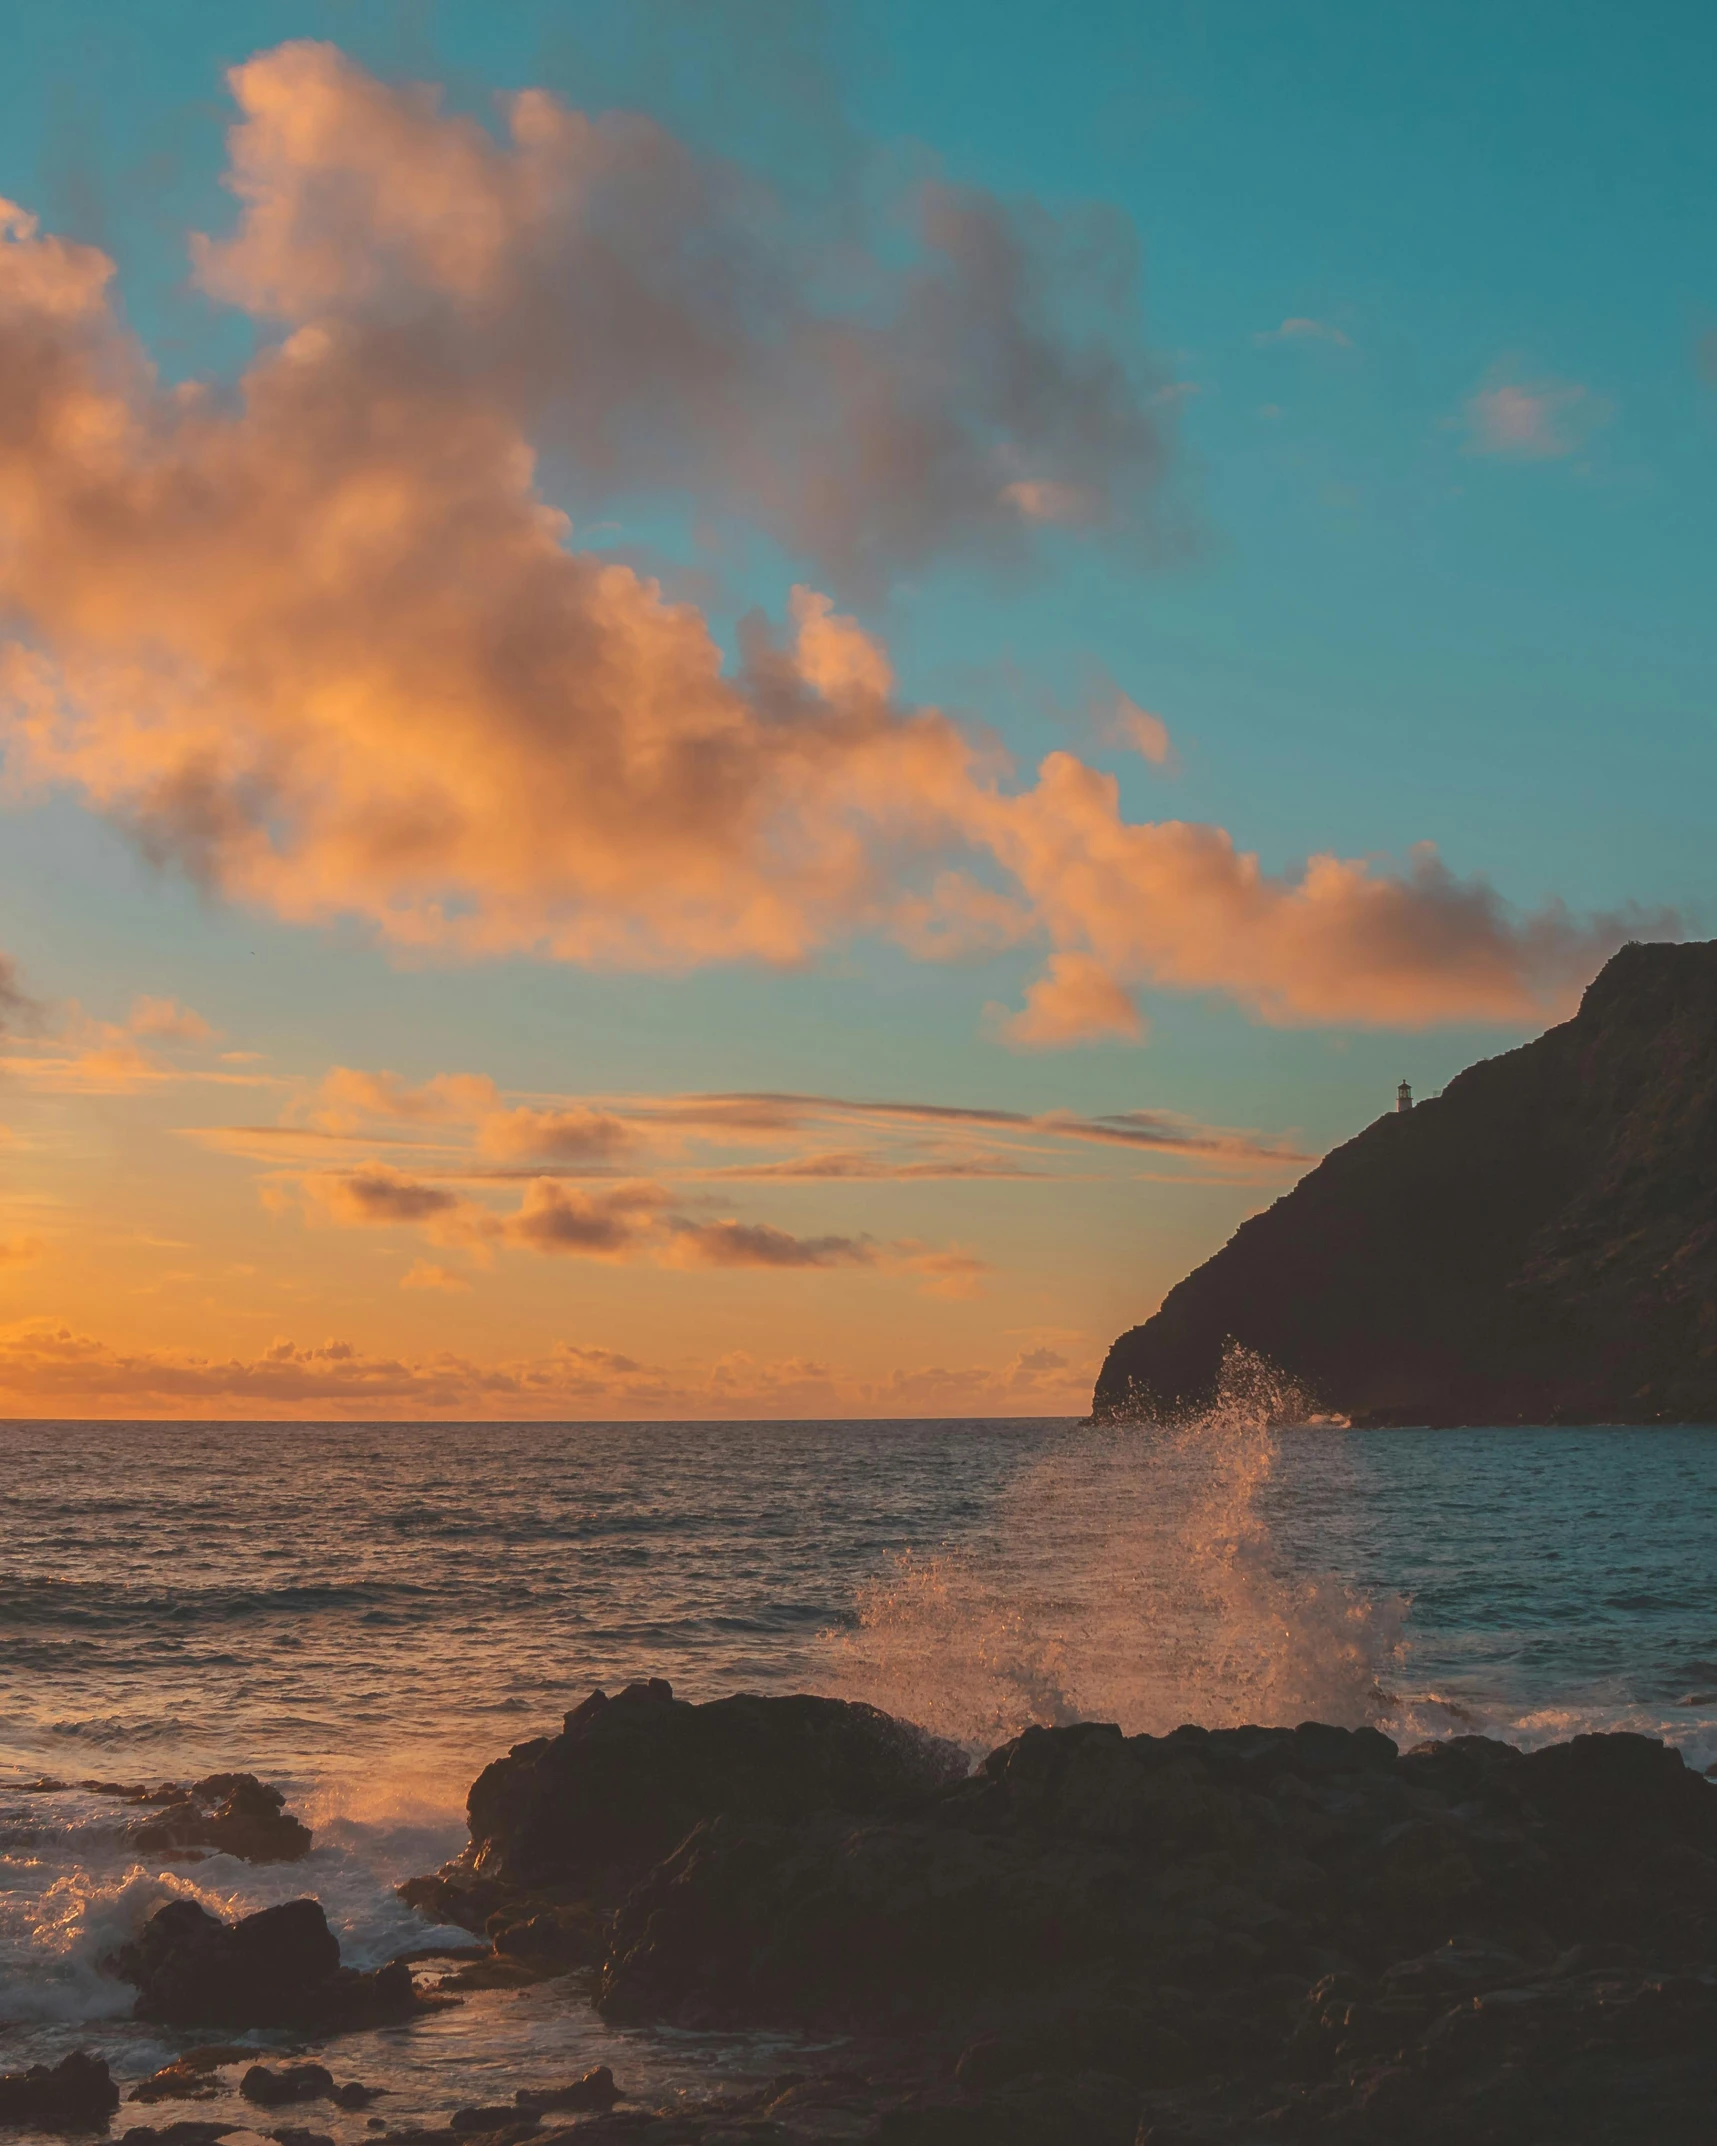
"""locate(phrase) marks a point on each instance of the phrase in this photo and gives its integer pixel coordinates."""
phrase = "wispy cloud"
(425, 1274)
(76, 1054)
(1298, 328)
(1533, 421)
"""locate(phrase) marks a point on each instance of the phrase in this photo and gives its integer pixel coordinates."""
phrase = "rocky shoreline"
(1203, 1939)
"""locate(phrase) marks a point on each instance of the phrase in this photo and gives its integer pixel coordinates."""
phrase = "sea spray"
(1131, 1574)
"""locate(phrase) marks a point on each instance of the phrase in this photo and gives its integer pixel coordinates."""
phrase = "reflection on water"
(368, 1615)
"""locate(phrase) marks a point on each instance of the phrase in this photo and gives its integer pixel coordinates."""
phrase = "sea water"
(366, 1615)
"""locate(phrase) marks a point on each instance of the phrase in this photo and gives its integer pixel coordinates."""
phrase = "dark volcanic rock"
(1537, 1244)
(581, 1817)
(75, 2094)
(293, 2082)
(1202, 1939)
(1088, 1872)
(226, 1814)
(595, 2090)
(277, 1968)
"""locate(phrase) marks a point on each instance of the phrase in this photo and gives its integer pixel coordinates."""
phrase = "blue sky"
(1421, 297)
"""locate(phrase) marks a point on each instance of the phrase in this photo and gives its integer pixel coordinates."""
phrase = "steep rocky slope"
(1537, 1244)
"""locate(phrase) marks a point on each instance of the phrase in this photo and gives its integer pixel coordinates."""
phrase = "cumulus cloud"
(384, 1197)
(1534, 422)
(578, 1134)
(349, 1096)
(665, 321)
(1076, 1000)
(602, 1225)
(168, 1022)
(324, 641)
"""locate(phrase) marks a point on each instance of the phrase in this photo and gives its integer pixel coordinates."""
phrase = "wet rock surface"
(1223, 1936)
(277, 1968)
(564, 1826)
(225, 1814)
(1201, 1939)
(74, 2095)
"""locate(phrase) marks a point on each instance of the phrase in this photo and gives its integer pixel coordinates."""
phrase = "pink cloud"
(1299, 328)
(1536, 422)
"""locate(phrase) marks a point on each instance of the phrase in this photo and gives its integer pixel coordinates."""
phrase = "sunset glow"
(630, 790)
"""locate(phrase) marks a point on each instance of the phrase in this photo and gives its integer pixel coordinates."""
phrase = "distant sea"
(366, 1615)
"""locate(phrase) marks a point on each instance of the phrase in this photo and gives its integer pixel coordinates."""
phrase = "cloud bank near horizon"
(324, 642)
(61, 1369)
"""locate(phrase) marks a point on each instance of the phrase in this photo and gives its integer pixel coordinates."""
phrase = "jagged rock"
(224, 1814)
(76, 2094)
(293, 2082)
(182, 2080)
(595, 2090)
(579, 1818)
(1079, 1867)
(277, 1968)
(1534, 1245)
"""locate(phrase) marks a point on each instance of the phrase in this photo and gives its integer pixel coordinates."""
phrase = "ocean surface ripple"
(366, 1615)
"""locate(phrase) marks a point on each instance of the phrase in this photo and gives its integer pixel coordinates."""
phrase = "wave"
(1131, 1576)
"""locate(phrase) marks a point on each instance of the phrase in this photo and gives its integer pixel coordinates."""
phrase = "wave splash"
(1133, 1575)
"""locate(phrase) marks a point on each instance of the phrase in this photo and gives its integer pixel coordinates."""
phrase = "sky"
(721, 710)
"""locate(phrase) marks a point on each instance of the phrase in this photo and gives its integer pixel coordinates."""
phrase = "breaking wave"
(1133, 1574)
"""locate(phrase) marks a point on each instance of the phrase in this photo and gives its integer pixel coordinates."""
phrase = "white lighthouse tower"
(1403, 1098)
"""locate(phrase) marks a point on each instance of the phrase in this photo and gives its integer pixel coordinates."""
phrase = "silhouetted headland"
(1538, 1244)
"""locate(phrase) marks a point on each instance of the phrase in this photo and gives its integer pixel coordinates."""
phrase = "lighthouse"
(1403, 1098)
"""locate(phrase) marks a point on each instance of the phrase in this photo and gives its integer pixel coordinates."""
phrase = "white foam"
(1131, 1576)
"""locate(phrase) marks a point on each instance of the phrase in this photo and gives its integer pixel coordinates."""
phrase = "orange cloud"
(55, 1370)
(425, 1274)
(620, 1222)
(348, 1096)
(1076, 1001)
(326, 643)
(758, 1244)
(167, 1020)
(573, 1135)
(91, 1057)
(601, 1225)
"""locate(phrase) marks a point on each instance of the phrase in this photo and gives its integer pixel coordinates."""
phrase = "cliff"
(1538, 1244)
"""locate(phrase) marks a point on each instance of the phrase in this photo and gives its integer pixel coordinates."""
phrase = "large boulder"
(582, 1816)
(277, 1968)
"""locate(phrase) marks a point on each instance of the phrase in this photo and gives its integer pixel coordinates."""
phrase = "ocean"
(367, 1614)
